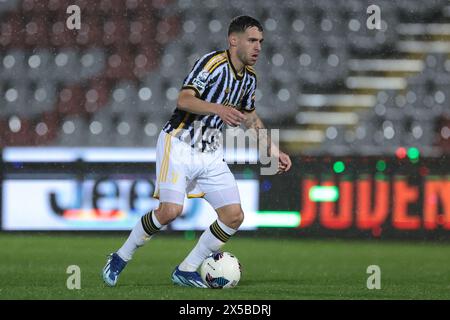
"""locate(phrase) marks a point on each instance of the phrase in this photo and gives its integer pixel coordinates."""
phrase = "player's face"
(249, 45)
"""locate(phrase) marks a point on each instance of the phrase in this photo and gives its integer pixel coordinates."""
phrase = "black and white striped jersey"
(214, 79)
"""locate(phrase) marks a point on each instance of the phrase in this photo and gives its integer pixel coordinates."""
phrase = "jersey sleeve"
(248, 101)
(200, 76)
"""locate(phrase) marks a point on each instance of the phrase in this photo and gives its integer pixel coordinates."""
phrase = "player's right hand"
(230, 116)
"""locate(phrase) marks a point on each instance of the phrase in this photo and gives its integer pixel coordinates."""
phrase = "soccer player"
(220, 89)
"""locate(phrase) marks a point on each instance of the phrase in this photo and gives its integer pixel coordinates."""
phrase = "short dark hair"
(242, 23)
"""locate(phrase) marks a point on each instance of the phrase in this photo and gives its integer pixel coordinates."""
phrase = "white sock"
(142, 232)
(210, 241)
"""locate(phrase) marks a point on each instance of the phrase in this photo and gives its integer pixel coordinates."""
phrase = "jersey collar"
(236, 75)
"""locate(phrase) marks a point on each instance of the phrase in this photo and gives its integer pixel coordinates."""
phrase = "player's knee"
(236, 218)
(168, 213)
(240, 217)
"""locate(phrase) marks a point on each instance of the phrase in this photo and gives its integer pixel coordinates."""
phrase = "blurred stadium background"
(364, 114)
(325, 79)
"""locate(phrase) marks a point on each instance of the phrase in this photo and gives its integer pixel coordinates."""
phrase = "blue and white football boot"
(114, 266)
(187, 279)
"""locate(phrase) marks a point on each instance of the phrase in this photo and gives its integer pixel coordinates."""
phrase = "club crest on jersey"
(203, 76)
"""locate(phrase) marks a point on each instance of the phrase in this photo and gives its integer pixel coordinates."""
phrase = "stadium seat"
(89, 7)
(14, 66)
(115, 32)
(101, 130)
(148, 133)
(39, 63)
(335, 141)
(92, 63)
(74, 131)
(96, 96)
(59, 35)
(124, 99)
(18, 132)
(142, 30)
(15, 98)
(91, 33)
(45, 128)
(131, 56)
(127, 130)
(119, 65)
(42, 99)
(444, 133)
(66, 66)
(56, 6)
(30, 7)
(36, 33)
(11, 32)
(112, 7)
(70, 100)
(420, 133)
(364, 41)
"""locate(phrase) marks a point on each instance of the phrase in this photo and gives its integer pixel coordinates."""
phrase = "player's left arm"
(253, 121)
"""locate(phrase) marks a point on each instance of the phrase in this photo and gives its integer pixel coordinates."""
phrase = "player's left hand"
(284, 163)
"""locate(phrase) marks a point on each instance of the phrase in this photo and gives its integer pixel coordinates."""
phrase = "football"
(221, 270)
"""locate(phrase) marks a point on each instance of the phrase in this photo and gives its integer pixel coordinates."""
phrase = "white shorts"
(182, 170)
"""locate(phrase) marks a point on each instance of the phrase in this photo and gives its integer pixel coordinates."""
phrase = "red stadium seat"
(444, 135)
(96, 95)
(142, 30)
(19, 132)
(87, 7)
(36, 34)
(112, 7)
(70, 101)
(144, 61)
(119, 65)
(115, 32)
(12, 31)
(3, 132)
(45, 128)
(167, 29)
(60, 36)
(90, 33)
(141, 7)
(34, 7)
(56, 7)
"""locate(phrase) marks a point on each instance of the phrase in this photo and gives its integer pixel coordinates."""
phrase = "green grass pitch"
(34, 267)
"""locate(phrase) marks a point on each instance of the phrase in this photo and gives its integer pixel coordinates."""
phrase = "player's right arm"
(188, 101)
(204, 74)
